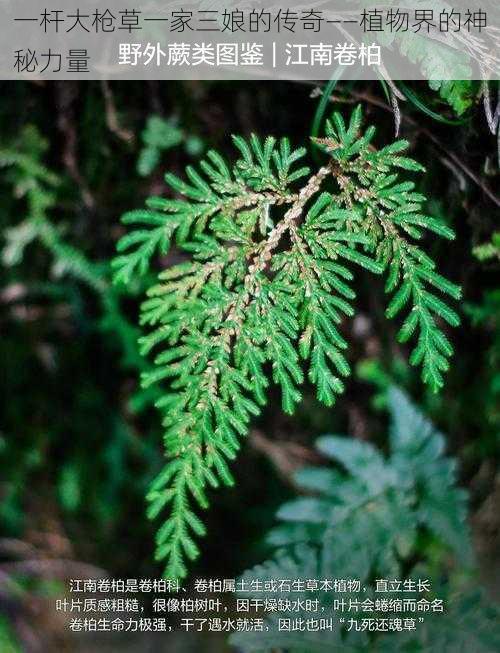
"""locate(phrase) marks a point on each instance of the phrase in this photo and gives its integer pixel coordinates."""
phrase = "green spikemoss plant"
(270, 250)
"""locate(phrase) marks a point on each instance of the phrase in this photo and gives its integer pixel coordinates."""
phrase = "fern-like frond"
(238, 199)
(363, 517)
(265, 284)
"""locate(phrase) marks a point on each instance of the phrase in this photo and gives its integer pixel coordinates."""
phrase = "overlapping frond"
(264, 284)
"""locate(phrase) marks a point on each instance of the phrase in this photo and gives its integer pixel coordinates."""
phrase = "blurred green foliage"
(160, 135)
(368, 516)
(8, 643)
(489, 251)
